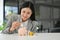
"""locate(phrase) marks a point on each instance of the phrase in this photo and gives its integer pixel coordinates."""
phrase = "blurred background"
(47, 13)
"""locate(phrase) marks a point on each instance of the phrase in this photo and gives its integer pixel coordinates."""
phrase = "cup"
(31, 33)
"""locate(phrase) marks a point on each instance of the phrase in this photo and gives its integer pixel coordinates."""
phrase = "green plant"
(2, 26)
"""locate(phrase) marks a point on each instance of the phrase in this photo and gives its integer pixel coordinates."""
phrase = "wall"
(1, 12)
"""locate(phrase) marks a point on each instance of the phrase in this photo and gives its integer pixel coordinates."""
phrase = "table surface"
(37, 36)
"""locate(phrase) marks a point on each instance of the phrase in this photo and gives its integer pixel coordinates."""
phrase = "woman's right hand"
(15, 25)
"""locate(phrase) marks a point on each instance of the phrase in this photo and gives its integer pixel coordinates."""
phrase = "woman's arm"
(9, 25)
(35, 26)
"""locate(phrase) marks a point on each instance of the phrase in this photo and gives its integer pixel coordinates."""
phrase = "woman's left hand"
(22, 31)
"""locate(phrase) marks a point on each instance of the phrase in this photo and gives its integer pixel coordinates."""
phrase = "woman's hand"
(15, 25)
(22, 31)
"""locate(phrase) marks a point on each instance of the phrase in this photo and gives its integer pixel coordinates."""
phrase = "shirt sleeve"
(35, 25)
(8, 26)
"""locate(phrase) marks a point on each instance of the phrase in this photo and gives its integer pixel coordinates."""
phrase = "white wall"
(1, 12)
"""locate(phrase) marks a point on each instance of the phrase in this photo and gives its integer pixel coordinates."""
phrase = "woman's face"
(25, 13)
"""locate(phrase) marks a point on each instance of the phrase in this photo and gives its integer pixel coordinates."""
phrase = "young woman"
(24, 22)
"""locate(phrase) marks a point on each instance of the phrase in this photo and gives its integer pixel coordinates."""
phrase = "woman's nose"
(25, 14)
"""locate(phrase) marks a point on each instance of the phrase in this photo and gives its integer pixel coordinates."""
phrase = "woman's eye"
(23, 11)
(28, 13)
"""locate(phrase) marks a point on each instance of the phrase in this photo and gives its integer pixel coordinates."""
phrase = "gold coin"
(31, 33)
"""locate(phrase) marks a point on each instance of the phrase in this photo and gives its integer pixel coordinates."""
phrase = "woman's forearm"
(11, 29)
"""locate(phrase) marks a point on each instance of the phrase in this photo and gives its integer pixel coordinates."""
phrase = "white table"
(37, 36)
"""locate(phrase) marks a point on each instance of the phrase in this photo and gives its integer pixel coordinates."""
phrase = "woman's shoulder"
(36, 22)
